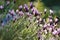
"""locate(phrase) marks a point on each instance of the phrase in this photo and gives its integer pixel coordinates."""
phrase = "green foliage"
(18, 31)
(51, 2)
(20, 2)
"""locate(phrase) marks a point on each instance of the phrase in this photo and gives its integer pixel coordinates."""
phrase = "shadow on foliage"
(32, 0)
(50, 3)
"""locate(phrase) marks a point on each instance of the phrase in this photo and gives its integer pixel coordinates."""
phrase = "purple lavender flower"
(33, 10)
(36, 13)
(12, 12)
(45, 25)
(55, 32)
(50, 29)
(31, 5)
(20, 8)
(14, 18)
(21, 13)
(26, 8)
(58, 30)
(39, 34)
(50, 20)
(1, 6)
(52, 26)
(28, 14)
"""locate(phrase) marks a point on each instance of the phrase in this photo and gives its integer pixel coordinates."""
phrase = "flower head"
(8, 2)
(31, 5)
(58, 30)
(51, 11)
(20, 6)
(1, 6)
(17, 11)
(45, 10)
(55, 32)
(21, 13)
